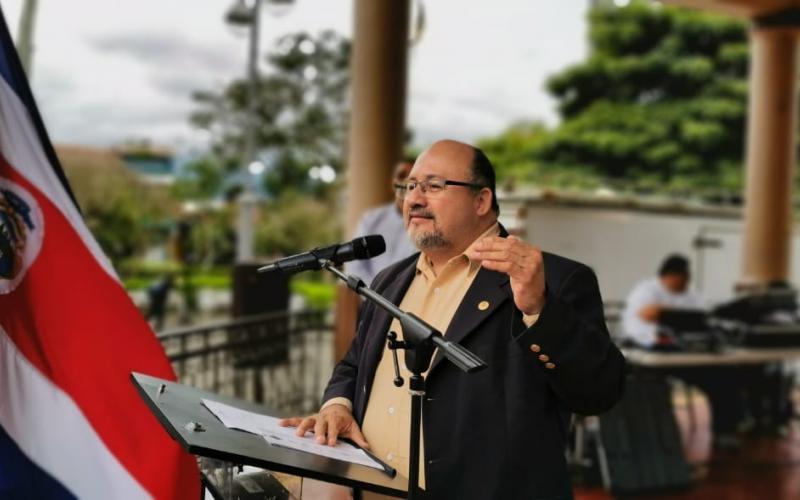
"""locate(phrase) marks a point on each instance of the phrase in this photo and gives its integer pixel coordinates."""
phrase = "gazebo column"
(771, 129)
(379, 66)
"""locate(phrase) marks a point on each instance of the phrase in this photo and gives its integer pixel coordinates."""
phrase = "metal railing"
(279, 359)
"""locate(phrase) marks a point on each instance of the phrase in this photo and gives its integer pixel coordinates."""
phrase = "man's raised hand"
(521, 262)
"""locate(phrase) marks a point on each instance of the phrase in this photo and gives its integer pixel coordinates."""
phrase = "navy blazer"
(501, 432)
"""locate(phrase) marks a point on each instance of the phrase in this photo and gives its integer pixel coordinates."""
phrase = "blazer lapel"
(484, 296)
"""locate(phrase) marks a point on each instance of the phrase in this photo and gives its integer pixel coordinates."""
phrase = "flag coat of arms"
(71, 423)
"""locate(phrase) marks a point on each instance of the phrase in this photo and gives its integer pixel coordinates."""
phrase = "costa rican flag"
(71, 423)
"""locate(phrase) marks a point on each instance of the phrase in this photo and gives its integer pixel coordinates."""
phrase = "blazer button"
(544, 358)
(549, 366)
(535, 348)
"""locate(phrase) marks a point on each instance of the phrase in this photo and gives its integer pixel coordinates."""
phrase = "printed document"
(266, 426)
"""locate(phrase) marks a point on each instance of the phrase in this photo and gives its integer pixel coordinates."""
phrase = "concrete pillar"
(771, 127)
(379, 66)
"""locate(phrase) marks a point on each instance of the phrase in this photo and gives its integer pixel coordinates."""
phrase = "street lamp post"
(27, 23)
(241, 14)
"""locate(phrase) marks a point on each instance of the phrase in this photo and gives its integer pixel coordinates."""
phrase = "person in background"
(386, 220)
(670, 289)
(721, 384)
(157, 296)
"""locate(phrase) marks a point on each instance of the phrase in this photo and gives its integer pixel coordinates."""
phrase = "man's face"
(447, 218)
(675, 282)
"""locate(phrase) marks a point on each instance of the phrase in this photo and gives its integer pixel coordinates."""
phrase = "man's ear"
(483, 202)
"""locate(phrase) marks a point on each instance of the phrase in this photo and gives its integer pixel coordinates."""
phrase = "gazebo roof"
(739, 8)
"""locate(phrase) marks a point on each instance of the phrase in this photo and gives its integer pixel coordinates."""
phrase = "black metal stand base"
(417, 390)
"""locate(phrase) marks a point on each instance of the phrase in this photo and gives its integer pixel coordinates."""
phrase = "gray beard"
(430, 240)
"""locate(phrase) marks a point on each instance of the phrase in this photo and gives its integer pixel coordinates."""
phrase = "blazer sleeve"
(343, 380)
(588, 371)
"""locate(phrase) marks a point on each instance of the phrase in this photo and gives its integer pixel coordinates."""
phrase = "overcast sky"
(106, 71)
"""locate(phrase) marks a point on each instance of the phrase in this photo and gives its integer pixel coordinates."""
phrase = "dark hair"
(674, 264)
(483, 174)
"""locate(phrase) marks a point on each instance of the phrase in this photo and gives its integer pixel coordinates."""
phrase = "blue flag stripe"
(22, 479)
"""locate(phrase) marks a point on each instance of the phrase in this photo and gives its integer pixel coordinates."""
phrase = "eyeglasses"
(431, 186)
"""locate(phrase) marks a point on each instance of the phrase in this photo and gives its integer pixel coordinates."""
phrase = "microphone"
(363, 247)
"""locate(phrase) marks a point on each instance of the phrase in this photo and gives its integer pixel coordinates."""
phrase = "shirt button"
(389, 457)
(549, 366)
(535, 348)
(436, 290)
(544, 357)
(391, 410)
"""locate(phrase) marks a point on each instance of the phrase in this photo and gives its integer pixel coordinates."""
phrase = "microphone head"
(268, 268)
(367, 247)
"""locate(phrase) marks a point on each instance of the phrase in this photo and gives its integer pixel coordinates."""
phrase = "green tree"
(301, 112)
(514, 154)
(659, 103)
(202, 179)
(123, 213)
(295, 223)
(210, 240)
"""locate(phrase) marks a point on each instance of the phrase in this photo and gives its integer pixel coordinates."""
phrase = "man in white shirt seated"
(670, 289)
(721, 384)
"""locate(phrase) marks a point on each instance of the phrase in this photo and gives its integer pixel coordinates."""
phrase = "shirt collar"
(425, 266)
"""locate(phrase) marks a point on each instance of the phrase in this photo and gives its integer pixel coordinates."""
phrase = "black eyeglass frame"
(402, 189)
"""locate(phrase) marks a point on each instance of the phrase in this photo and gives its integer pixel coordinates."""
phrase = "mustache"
(420, 212)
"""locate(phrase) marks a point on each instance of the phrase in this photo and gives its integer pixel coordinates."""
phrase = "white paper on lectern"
(284, 437)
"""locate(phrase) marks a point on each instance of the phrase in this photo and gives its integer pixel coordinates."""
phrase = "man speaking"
(535, 318)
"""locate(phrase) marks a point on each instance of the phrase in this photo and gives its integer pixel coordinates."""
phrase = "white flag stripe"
(52, 431)
(21, 147)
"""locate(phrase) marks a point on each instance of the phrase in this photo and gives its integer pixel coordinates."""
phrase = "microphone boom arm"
(422, 337)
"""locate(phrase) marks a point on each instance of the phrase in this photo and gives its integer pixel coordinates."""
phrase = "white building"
(625, 239)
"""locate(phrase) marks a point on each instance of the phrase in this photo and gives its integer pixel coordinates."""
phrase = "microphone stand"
(420, 341)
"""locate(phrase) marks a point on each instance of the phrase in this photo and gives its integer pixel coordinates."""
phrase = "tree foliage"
(123, 213)
(301, 122)
(202, 179)
(659, 102)
(211, 240)
(301, 105)
(295, 223)
(515, 152)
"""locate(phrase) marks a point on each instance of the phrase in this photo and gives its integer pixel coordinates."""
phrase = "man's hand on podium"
(331, 422)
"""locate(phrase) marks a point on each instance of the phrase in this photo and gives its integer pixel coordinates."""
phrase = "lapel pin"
(483, 305)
